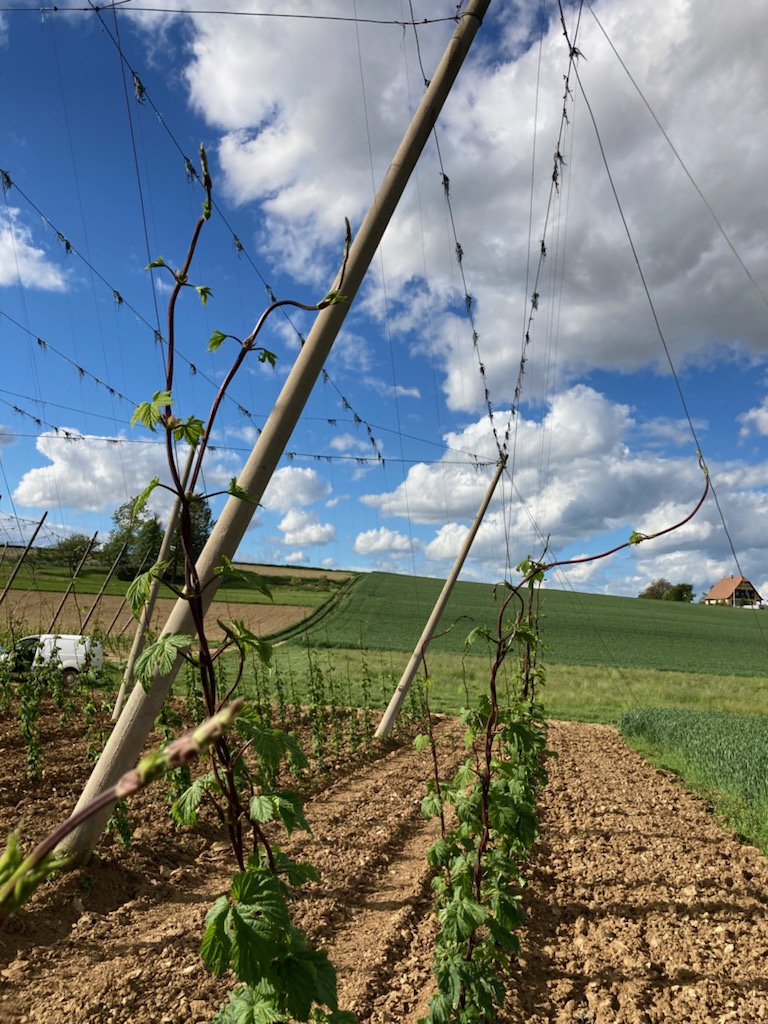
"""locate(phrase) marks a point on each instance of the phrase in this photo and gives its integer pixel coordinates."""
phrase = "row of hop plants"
(488, 816)
(338, 715)
(248, 931)
(487, 811)
(477, 864)
(263, 957)
(338, 712)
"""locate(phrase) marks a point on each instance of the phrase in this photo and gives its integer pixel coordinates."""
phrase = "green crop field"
(723, 756)
(388, 612)
(603, 655)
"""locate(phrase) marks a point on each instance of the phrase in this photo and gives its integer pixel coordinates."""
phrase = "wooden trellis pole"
(136, 721)
(103, 587)
(71, 586)
(393, 710)
(18, 565)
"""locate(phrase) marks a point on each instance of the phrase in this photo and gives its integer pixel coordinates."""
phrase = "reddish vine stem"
(542, 567)
(233, 809)
(247, 345)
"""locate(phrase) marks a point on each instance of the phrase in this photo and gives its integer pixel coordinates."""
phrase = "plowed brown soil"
(641, 908)
(37, 609)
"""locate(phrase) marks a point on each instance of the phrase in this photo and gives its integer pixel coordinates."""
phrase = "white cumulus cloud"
(755, 421)
(94, 473)
(21, 260)
(305, 529)
(371, 542)
(91, 473)
(294, 487)
(307, 146)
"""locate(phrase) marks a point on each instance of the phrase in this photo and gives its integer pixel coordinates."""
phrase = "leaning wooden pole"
(71, 586)
(130, 733)
(20, 562)
(396, 703)
(110, 573)
(124, 603)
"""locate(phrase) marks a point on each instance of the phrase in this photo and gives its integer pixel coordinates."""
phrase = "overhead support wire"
(282, 15)
(649, 298)
(459, 254)
(143, 96)
(142, 708)
(558, 165)
(139, 184)
(731, 245)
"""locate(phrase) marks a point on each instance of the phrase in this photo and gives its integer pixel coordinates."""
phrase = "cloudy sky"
(660, 165)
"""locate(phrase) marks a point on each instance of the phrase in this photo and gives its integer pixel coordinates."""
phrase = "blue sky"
(300, 117)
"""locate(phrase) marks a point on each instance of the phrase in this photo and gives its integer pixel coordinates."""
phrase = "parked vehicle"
(74, 653)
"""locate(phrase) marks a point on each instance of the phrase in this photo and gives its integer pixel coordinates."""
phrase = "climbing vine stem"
(249, 930)
(479, 859)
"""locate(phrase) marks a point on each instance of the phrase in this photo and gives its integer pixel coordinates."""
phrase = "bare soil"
(36, 609)
(641, 907)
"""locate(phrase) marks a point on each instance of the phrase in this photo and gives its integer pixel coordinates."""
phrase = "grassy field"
(687, 682)
(287, 587)
(577, 693)
(388, 613)
(722, 756)
(700, 671)
(603, 656)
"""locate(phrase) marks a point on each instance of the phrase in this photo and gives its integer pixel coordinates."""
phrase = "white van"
(70, 650)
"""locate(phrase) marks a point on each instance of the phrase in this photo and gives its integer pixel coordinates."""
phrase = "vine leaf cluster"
(479, 860)
(480, 856)
(249, 930)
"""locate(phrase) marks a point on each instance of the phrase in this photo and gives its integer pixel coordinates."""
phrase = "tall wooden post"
(129, 735)
(70, 588)
(103, 587)
(20, 562)
(396, 703)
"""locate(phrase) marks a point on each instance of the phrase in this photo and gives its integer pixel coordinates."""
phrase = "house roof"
(724, 588)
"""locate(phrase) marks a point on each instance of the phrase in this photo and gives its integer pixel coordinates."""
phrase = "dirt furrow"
(370, 842)
(140, 944)
(641, 907)
(373, 950)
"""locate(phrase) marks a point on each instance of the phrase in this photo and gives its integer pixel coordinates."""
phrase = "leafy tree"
(663, 590)
(70, 550)
(656, 589)
(680, 592)
(141, 533)
(201, 524)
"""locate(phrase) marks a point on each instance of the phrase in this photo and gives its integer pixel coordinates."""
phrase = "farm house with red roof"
(733, 590)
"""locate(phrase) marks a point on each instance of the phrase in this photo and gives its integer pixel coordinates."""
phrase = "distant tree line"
(663, 590)
(138, 537)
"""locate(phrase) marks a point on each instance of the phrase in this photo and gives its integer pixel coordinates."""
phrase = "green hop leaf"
(150, 413)
(217, 339)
